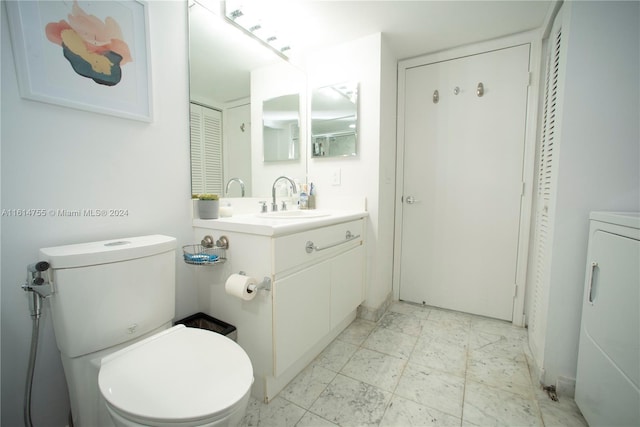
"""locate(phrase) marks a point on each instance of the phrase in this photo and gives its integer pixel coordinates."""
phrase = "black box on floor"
(204, 321)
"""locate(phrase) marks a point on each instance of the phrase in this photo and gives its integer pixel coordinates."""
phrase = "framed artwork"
(88, 55)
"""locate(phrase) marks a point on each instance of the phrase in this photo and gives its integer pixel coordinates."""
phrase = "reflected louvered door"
(546, 166)
(212, 150)
(206, 150)
(196, 149)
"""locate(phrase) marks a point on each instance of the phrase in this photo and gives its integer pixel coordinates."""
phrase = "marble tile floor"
(418, 366)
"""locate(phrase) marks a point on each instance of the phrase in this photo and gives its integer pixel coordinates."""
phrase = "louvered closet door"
(463, 160)
(206, 150)
(546, 169)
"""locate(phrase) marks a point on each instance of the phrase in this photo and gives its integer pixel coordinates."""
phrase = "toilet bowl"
(111, 311)
(179, 377)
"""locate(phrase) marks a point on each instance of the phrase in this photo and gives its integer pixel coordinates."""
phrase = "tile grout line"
(466, 372)
(393, 393)
(359, 346)
(388, 405)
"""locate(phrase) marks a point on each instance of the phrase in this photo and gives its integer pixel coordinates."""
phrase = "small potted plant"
(208, 205)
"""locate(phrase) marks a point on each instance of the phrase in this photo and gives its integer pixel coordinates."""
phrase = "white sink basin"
(294, 214)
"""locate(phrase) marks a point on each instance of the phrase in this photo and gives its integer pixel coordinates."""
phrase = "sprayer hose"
(30, 370)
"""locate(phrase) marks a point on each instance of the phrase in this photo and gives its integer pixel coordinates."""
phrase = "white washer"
(179, 377)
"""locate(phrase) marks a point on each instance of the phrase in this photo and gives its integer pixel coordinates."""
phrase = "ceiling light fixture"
(243, 18)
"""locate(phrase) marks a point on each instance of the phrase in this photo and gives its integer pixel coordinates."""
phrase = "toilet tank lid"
(107, 251)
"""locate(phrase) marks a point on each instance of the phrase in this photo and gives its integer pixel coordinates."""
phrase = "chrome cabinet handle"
(594, 265)
(310, 246)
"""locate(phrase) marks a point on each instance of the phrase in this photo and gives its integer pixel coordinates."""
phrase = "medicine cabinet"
(334, 120)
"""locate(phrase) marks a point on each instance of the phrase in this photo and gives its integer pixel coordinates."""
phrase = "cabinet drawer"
(314, 245)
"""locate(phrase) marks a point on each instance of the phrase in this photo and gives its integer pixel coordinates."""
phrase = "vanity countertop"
(265, 226)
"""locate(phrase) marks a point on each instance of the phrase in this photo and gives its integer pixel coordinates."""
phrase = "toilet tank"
(110, 292)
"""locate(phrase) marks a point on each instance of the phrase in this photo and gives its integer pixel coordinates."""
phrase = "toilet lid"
(180, 374)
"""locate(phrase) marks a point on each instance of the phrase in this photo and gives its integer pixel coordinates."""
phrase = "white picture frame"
(51, 71)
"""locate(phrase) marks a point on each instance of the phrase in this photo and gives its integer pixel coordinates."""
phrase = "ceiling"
(411, 28)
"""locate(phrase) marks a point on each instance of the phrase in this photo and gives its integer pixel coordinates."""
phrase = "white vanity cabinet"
(318, 284)
(316, 268)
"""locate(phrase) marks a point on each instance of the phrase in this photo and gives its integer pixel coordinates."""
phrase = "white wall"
(599, 157)
(59, 158)
(371, 173)
(383, 268)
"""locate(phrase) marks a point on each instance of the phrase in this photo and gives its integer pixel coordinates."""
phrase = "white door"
(463, 163)
(546, 169)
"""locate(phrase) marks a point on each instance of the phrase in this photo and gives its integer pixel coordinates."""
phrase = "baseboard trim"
(375, 314)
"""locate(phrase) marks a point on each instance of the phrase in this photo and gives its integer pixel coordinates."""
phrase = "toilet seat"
(181, 375)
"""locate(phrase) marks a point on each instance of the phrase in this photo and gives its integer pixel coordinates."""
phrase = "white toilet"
(112, 308)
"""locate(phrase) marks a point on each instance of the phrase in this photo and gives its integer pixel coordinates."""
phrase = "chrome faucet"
(239, 181)
(274, 205)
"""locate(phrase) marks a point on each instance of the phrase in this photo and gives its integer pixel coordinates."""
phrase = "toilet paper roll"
(237, 285)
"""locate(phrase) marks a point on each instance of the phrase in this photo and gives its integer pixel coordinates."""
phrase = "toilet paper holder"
(265, 284)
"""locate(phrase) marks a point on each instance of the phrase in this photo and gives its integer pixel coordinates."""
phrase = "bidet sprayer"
(36, 270)
(37, 286)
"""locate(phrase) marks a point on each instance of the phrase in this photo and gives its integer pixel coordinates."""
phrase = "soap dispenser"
(304, 198)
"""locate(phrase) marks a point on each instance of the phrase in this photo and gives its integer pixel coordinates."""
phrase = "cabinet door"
(347, 290)
(301, 314)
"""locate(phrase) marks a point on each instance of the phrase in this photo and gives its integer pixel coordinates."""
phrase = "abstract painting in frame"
(88, 55)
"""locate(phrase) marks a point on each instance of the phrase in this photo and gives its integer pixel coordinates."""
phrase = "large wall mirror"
(221, 61)
(334, 120)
